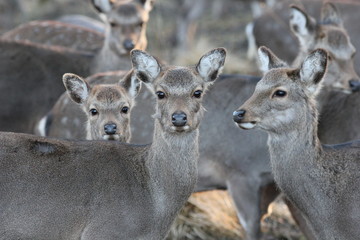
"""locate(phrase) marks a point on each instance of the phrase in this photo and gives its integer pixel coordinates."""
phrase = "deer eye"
(140, 24)
(279, 93)
(112, 24)
(160, 94)
(125, 110)
(93, 111)
(197, 94)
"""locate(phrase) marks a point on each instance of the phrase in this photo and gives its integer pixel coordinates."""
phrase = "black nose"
(238, 115)
(354, 85)
(128, 44)
(110, 128)
(179, 119)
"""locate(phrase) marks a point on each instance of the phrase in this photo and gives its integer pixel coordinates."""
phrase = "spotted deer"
(125, 29)
(107, 106)
(247, 176)
(59, 189)
(321, 180)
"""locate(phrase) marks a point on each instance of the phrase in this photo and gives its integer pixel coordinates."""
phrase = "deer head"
(107, 107)
(125, 23)
(281, 96)
(179, 90)
(330, 35)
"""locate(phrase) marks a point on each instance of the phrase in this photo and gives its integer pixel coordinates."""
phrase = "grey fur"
(328, 196)
(57, 189)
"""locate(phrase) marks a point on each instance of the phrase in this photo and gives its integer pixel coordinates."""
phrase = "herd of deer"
(51, 188)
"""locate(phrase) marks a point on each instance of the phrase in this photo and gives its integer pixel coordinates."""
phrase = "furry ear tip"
(294, 6)
(68, 76)
(221, 50)
(264, 50)
(135, 52)
(321, 52)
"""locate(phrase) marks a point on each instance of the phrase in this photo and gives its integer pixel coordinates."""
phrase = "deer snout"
(110, 128)
(354, 85)
(128, 44)
(238, 115)
(179, 119)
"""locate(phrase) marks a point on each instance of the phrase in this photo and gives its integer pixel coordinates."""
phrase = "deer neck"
(109, 59)
(173, 168)
(296, 150)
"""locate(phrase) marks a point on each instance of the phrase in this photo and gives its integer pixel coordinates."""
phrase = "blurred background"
(178, 30)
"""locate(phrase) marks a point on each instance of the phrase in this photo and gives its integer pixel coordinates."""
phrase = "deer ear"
(131, 83)
(146, 67)
(300, 23)
(148, 4)
(268, 60)
(211, 64)
(330, 14)
(313, 69)
(102, 6)
(77, 88)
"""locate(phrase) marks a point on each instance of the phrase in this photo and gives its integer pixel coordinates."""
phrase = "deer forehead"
(180, 81)
(106, 95)
(336, 41)
(276, 78)
(128, 14)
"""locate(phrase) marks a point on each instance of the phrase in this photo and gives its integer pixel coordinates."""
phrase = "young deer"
(321, 180)
(107, 106)
(125, 29)
(56, 189)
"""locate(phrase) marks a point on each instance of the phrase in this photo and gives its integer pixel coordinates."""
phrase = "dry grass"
(211, 215)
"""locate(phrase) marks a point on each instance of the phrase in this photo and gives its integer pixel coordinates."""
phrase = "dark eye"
(124, 109)
(197, 93)
(329, 58)
(93, 111)
(279, 93)
(160, 94)
(112, 24)
(140, 24)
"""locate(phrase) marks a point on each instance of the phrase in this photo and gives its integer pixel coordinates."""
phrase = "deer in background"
(247, 176)
(28, 86)
(58, 189)
(272, 29)
(321, 180)
(106, 106)
(125, 29)
(42, 65)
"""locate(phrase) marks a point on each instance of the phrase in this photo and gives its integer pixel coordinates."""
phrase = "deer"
(125, 29)
(39, 62)
(29, 87)
(61, 189)
(56, 33)
(247, 176)
(107, 106)
(284, 105)
(272, 29)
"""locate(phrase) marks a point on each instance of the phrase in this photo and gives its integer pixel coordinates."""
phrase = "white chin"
(247, 125)
(114, 137)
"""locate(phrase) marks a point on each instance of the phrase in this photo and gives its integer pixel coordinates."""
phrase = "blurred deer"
(125, 29)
